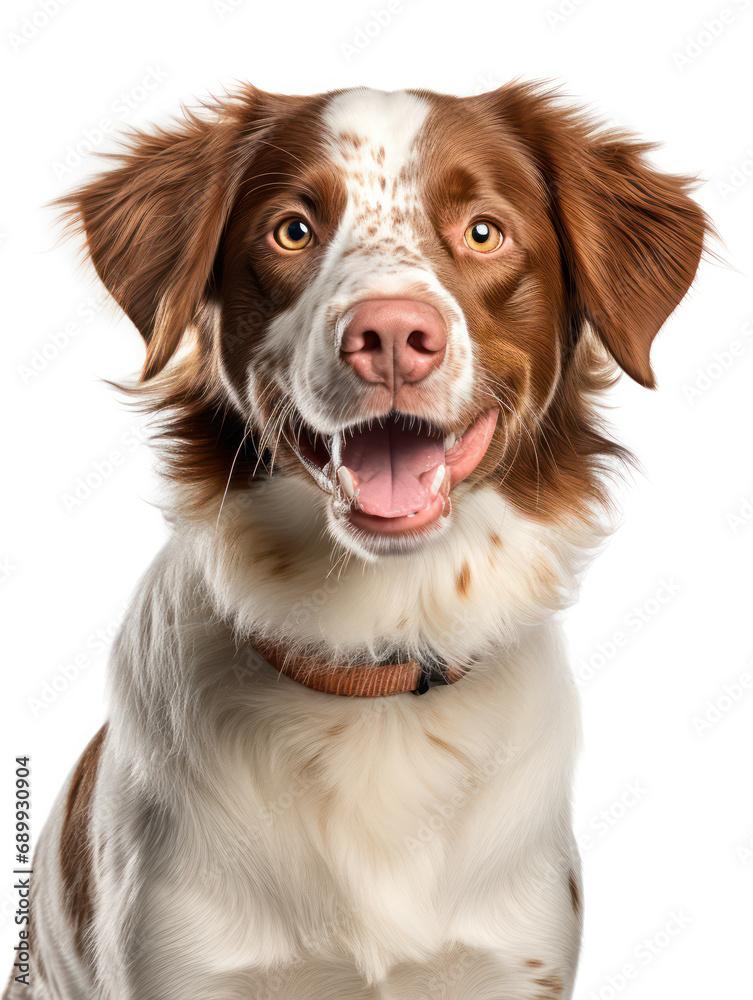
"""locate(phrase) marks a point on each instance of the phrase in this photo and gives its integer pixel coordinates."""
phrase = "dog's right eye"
(484, 236)
(293, 234)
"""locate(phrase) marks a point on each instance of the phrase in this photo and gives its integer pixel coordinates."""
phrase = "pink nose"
(394, 341)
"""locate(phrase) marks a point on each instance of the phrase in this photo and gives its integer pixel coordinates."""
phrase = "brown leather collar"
(361, 680)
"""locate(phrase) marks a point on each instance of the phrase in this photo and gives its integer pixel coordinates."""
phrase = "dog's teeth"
(335, 448)
(347, 481)
(437, 480)
(449, 441)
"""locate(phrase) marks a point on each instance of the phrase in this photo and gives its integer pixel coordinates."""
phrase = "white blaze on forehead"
(381, 120)
(370, 137)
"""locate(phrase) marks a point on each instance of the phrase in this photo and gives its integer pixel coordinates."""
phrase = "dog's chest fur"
(374, 835)
(304, 825)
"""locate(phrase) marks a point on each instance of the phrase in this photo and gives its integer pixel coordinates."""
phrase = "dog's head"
(388, 294)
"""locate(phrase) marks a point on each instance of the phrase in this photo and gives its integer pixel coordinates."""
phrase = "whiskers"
(522, 424)
(246, 431)
(273, 431)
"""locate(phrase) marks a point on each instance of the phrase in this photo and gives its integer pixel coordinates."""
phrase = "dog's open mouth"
(395, 474)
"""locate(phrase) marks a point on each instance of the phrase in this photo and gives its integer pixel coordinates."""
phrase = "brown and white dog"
(377, 325)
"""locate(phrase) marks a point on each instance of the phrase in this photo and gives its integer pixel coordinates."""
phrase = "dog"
(340, 751)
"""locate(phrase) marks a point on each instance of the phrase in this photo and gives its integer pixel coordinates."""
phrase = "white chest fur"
(301, 826)
(374, 830)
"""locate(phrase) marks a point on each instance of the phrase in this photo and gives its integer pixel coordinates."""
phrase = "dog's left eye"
(483, 236)
(293, 234)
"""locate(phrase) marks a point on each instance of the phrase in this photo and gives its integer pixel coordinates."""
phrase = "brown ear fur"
(632, 237)
(153, 224)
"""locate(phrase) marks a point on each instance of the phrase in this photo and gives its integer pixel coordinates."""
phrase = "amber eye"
(483, 236)
(293, 234)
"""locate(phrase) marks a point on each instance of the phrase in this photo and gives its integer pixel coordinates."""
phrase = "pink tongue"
(391, 464)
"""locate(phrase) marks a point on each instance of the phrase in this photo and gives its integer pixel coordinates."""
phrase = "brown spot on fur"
(463, 580)
(337, 729)
(495, 540)
(534, 963)
(574, 888)
(438, 741)
(278, 560)
(75, 841)
(553, 986)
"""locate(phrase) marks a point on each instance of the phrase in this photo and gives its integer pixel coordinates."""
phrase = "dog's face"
(391, 294)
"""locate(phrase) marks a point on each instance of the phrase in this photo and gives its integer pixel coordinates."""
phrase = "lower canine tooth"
(449, 441)
(437, 480)
(345, 478)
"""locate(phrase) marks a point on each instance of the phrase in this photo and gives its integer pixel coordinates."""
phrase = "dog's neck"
(274, 572)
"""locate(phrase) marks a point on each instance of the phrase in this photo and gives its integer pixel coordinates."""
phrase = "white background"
(663, 802)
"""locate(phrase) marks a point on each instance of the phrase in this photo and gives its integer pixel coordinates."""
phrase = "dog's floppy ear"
(153, 224)
(632, 237)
